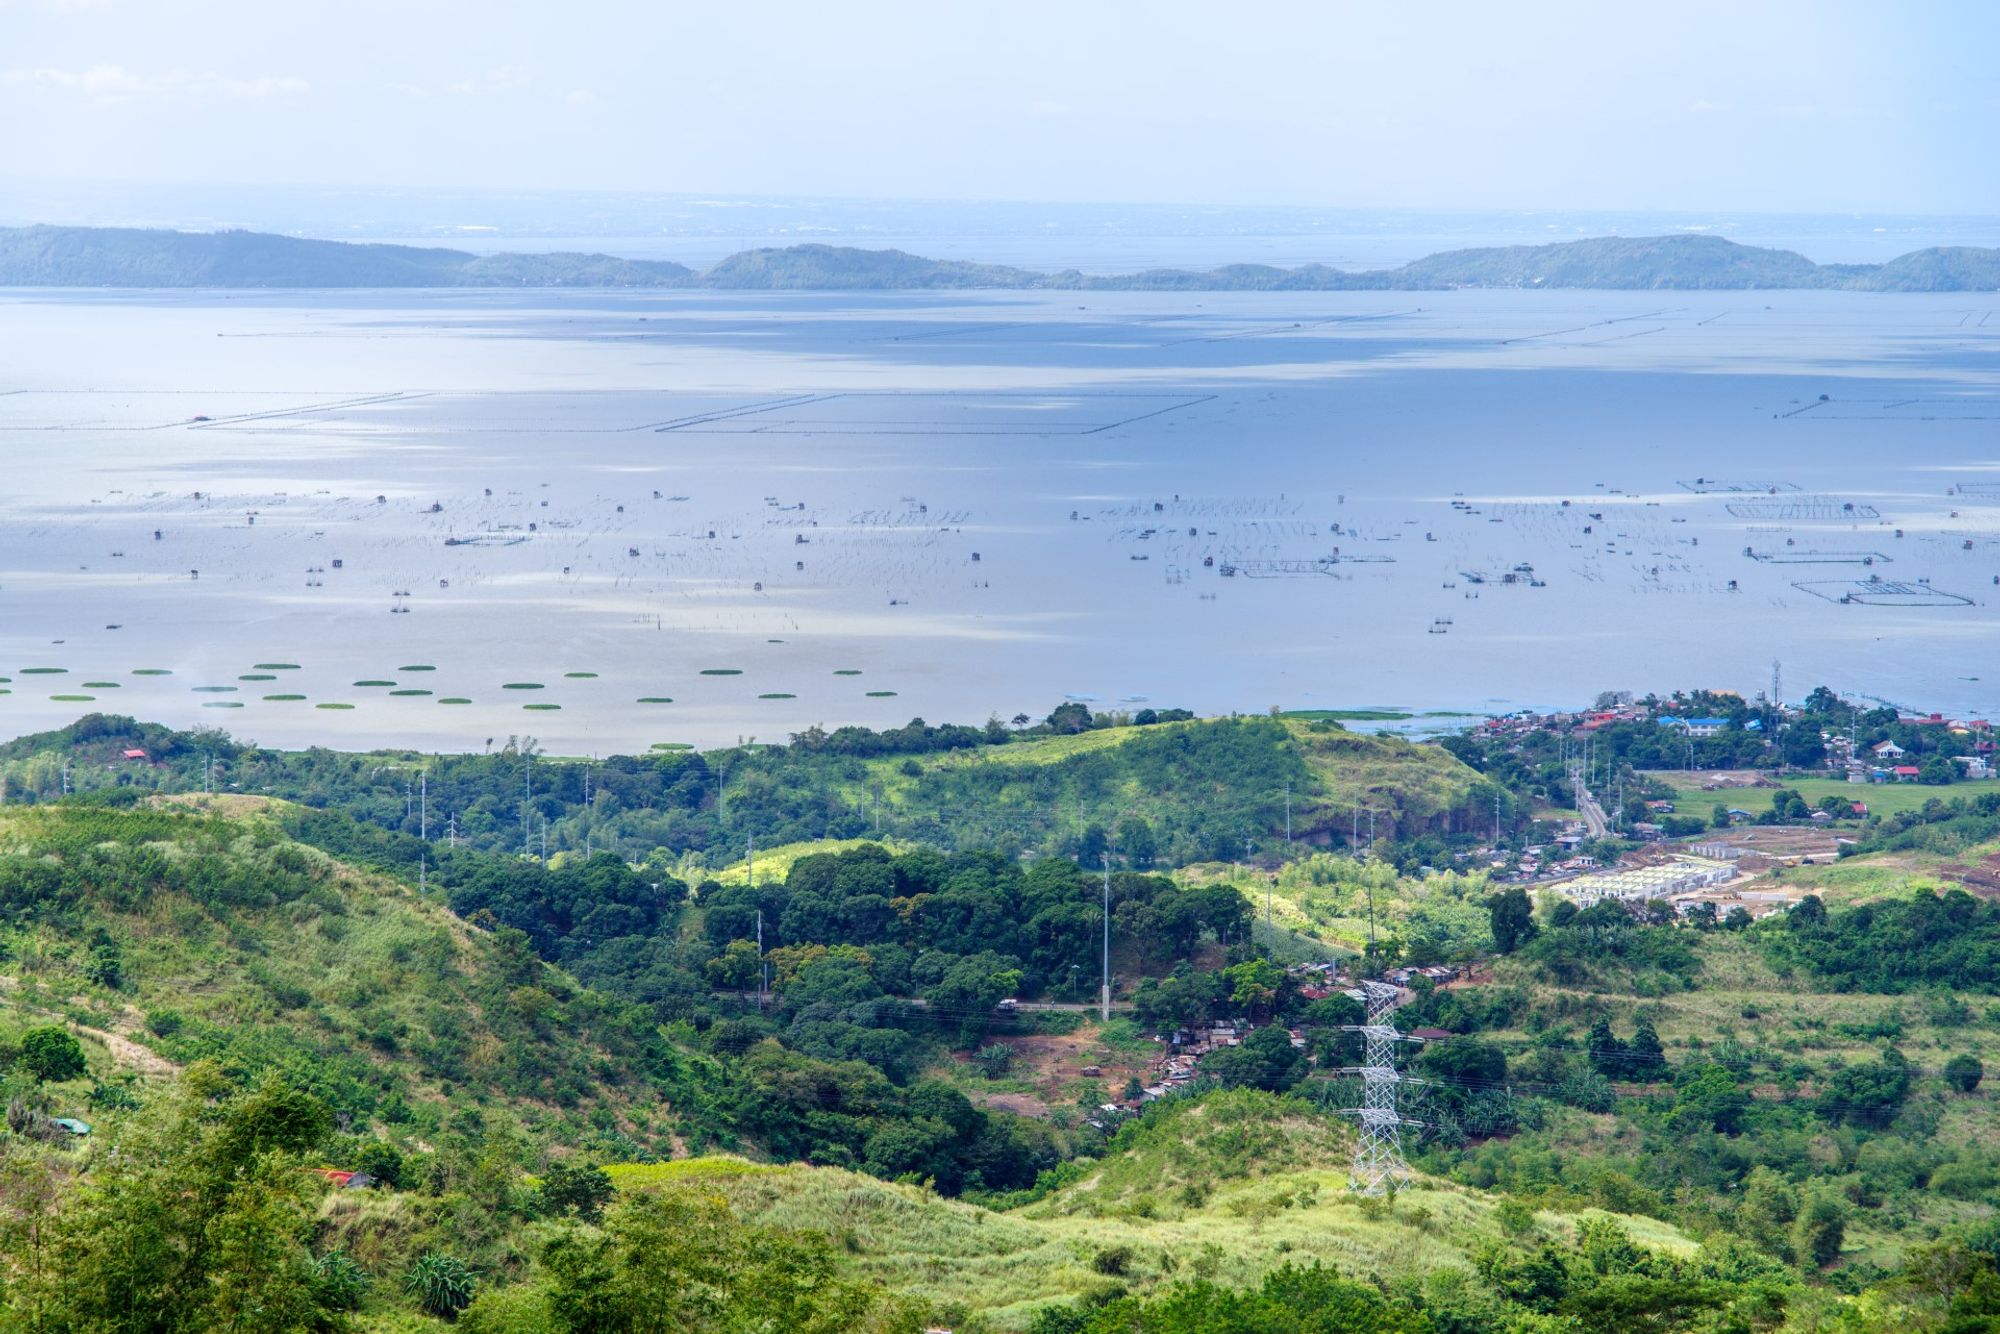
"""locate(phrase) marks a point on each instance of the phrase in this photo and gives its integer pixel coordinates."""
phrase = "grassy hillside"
(195, 931)
(1227, 1188)
(1201, 787)
(1792, 1039)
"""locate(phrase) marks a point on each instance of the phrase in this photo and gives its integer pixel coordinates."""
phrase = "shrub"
(51, 1054)
(576, 1188)
(382, 1161)
(1113, 1261)
(441, 1284)
(338, 1282)
(1819, 1230)
(1515, 1218)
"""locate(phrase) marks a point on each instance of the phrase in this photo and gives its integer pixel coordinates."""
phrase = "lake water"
(869, 507)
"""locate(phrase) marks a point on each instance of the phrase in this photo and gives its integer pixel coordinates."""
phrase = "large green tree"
(199, 1221)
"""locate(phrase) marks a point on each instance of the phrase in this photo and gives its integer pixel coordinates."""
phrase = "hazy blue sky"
(1757, 105)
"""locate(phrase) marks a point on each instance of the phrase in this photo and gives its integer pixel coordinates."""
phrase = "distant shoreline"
(100, 257)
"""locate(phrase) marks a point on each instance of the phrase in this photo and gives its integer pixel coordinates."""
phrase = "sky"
(1774, 105)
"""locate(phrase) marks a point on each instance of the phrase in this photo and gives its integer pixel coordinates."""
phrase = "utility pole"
(1104, 996)
(424, 809)
(1288, 813)
(760, 961)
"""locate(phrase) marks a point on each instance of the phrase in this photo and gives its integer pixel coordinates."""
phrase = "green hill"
(125, 257)
(820, 267)
(1677, 262)
(197, 931)
(1228, 1188)
(132, 257)
(1170, 793)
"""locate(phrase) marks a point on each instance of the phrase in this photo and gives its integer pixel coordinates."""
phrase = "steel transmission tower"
(1378, 1148)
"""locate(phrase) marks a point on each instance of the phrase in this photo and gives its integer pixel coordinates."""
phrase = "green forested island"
(313, 1040)
(45, 256)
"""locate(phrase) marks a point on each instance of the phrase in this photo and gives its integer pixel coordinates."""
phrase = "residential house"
(1698, 727)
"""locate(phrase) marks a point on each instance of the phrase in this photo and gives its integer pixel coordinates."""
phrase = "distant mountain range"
(128, 257)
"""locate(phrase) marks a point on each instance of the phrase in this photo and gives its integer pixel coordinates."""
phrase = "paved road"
(1593, 814)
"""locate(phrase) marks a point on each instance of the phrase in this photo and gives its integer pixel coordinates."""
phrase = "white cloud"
(115, 83)
(505, 79)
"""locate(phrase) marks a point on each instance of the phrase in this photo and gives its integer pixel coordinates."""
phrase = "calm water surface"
(788, 509)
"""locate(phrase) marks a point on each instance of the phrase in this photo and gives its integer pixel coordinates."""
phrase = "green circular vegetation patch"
(257, 676)
(722, 671)
(333, 706)
(454, 699)
(72, 699)
(45, 671)
(151, 671)
(881, 694)
(213, 690)
(847, 671)
(417, 667)
(581, 676)
(656, 699)
(277, 666)
(777, 694)
(284, 699)
(409, 692)
(223, 704)
(545, 708)
(374, 683)
(522, 685)
(100, 685)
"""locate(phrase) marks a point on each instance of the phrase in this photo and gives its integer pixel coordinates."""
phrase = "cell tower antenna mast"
(1378, 1146)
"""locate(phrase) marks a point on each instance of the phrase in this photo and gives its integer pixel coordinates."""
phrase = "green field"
(1881, 798)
